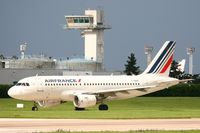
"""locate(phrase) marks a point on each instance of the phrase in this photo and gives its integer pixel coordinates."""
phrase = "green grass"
(136, 108)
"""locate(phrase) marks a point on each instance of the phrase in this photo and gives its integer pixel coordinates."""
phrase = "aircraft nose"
(14, 93)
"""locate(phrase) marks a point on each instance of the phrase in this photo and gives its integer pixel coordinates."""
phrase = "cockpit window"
(18, 84)
(22, 84)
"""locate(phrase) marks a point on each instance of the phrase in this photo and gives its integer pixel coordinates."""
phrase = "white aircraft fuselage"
(65, 87)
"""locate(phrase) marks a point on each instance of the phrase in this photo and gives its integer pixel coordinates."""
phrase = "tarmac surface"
(12, 125)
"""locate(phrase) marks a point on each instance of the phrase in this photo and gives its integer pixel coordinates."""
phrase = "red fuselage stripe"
(167, 64)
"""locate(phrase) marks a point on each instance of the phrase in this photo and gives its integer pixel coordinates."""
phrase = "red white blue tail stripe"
(162, 61)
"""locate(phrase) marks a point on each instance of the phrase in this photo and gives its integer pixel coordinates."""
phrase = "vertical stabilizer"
(161, 63)
(181, 65)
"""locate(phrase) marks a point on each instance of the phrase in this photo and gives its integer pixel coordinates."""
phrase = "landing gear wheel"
(79, 109)
(103, 107)
(34, 108)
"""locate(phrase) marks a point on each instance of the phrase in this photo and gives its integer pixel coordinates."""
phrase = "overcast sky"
(135, 23)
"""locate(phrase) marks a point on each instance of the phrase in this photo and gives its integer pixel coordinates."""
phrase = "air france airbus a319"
(87, 91)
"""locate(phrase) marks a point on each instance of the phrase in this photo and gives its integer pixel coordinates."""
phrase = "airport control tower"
(92, 28)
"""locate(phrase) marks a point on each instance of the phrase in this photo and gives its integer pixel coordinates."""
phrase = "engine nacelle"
(83, 100)
(49, 103)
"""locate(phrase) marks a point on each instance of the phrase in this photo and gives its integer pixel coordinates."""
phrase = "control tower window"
(86, 20)
(81, 20)
(75, 20)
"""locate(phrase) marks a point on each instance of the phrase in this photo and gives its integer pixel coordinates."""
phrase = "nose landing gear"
(34, 108)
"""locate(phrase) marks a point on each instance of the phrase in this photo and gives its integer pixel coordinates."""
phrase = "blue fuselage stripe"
(161, 56)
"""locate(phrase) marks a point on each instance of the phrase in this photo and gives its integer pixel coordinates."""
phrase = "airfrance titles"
(62, 80)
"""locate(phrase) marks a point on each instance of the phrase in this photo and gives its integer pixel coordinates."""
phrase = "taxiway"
(12, 125)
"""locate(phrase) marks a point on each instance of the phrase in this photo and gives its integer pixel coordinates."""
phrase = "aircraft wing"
(185, 80)
(142, 88)
(139, 88)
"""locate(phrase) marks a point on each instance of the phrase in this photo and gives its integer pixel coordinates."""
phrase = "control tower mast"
(190, 52)
(148, 51)
(92, 28)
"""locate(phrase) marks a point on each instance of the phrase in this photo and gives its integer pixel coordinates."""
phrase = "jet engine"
(83, 100)
(49, 103)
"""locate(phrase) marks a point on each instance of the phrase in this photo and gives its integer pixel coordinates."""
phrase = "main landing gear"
(79, 109)
(103, 107)
(34, 108)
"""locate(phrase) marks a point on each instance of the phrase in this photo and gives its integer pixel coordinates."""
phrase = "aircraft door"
(43, 91)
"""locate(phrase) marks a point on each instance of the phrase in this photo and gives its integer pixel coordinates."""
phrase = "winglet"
(161, 63)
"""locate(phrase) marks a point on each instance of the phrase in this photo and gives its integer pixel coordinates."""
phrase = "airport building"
(91, 26)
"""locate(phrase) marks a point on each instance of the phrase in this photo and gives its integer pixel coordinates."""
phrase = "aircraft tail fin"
(161, 63)
(181, 65)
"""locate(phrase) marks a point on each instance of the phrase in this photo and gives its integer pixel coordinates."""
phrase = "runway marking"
(46, 125)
